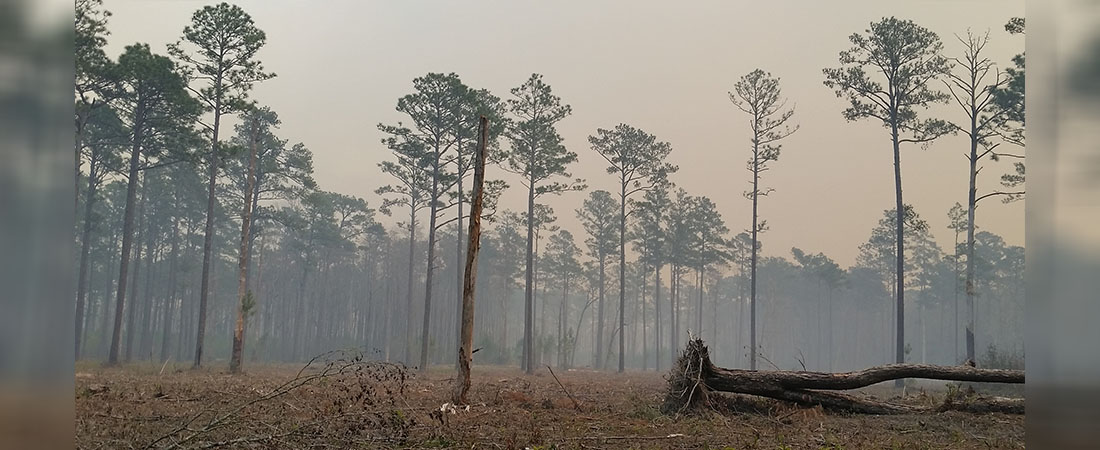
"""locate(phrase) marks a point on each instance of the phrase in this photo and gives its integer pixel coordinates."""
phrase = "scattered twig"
(630, 437)
(576, 404)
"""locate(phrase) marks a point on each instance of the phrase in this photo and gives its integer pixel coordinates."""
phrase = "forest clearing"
(133, 405)
(583, 253)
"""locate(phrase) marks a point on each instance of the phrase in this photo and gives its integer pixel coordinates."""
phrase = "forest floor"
(350, 404)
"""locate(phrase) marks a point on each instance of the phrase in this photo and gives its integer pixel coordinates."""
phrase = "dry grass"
(365, 405)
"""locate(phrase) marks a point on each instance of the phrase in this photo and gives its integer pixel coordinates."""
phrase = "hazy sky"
(661, 66)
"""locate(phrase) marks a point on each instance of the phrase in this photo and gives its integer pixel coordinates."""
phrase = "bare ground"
(365, 405)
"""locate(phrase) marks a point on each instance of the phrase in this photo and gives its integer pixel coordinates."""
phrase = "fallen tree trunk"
(694, 377)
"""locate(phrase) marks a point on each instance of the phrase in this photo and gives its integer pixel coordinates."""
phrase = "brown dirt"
(370, 406)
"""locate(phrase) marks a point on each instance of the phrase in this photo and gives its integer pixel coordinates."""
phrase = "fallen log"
(694, 378)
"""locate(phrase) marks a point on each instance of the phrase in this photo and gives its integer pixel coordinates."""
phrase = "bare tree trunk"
(540, 300)
(528, 290)
(740, 321)
(131, 312)
(956, 277)
(244, 295)
(830, 330)
(752, 263)
(657, 316)
(465, 350)
(127, 242)
(599, 320)
(900, 348)
(923, 337)
(170, 302)
(622, 275)
(208, 234)
(645, 344)
(434, 208)
(81, 122)
(970, 212)
(714, 313)
(699, 312)
(504, 315)
(576, 339)
(673, 316)
(299, 315)
(388, 311)
(409, 292)
(563, 318)
(145, 346)
(105, 328)
(85, 245)
(459, 274)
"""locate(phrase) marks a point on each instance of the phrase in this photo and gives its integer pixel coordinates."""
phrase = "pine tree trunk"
(434, 213)
(562, 320)
(673, 316)
(599, 315)
(131, 311)
(970, 257)
(645, 345)
(245, 302)
(657, 317)
(752, 263)
(409, 288)
(540, 300)
(528, 289)
(504, 300)
(622, 276)
(208, 233)
(900, 347)
(105, 328)
(127, 240)
(170, 301)
(465, 350)
(85, 245)
(699, 308)
(146, 344)
(459, 241)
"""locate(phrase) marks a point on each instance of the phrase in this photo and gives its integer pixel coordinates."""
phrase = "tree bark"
(145, 346)
(562, 320)
(699, 311)
(170, 300)
(434, 212)
(622, 276)
(970, 213)
(599, 313)
(696, 376)
(469, 281)
(131, 312)
(673, 316)
(528, 290)
(752, 261)
(900, 272)
(459, 272)
(85, 245)
(208, 233)
(243, 294)
(127, 240)
(657, 316)
(409, 288)
(645, 344)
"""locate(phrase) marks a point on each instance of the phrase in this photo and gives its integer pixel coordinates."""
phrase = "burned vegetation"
(695, 382)
(505, 300)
